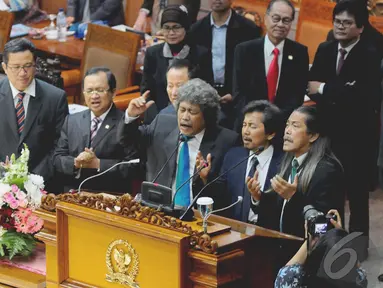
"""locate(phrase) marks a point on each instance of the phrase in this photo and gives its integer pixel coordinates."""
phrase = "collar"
(212, 23)
(269, 47)
(349, 47)
(103, 116)
(182, 55)
(200, 135)
(264, 156)
(30, 90)
(301, 158)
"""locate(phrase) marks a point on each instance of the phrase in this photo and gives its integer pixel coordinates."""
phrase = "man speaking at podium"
(193, 130)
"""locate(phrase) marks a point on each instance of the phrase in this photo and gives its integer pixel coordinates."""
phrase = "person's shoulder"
(290, 276)
(251, 44)
(329, 164)
(167, 118)
(200, 24)
(237, 150)
(244, 22)
(296, 45)
(4, 82)
(53, 91)
(155, 49)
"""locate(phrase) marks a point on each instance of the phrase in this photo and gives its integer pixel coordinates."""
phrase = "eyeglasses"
(344, 23)
(277, 18)
(175, 28)
(98, 91)
(17, 69)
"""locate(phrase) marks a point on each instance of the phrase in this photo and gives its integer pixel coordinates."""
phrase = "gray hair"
(198, 92)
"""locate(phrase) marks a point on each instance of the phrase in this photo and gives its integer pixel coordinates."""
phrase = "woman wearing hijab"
(175, 25)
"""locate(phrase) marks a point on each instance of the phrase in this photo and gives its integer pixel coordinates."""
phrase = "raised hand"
(254, 186)
(284, 188)
(200, 162)
(139, 105)
(338, 222)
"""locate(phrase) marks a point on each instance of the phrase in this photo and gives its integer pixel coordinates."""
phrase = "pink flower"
(13, 204)
(20, 195)
(15, 188)
(9, 197)
(23, 213)
(22, 227)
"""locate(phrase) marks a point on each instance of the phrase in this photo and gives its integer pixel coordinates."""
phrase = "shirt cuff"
(253, 201)
(146, 11)
(320, 88)
(129, 119)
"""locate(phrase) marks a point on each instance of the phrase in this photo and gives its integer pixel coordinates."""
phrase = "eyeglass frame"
(17, 69)
(175, 28)
(98, 91)
(337, 23)
(284, 22)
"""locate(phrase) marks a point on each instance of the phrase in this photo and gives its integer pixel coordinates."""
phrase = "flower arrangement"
(20, 194)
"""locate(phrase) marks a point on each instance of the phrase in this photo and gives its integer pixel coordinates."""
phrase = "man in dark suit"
(220, 32)
(31, 110)
(345, 84)
(262, 121)
(197, 114)
(90, 10)
(309, 175)
(272, 68)
(154, 8)
(88, 143)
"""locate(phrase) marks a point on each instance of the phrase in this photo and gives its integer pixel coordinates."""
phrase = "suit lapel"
(208, 142)
(273, 169)
(260, 66)
(170, 143)
(287, 61)
(7, 108)
(85, 127)
(243, 210)
(106, 126)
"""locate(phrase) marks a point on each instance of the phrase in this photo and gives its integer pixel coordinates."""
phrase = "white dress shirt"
(29, 91)
(264, 159)
(300, 160)
(218, 49)
(194, 145)
(269, 55)
(348, 50)
(101, 117)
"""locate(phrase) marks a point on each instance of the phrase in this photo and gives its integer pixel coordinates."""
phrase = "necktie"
(247, 199)
(183, 174)
(342, 56)
(93, 130)
(272, 76)
(294, 171)
(20, 112)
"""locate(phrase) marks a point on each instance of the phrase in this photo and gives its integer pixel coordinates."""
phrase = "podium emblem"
(122, 263)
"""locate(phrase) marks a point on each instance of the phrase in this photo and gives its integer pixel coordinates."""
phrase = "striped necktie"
(342, 56)
(93, 130)
(20, 113)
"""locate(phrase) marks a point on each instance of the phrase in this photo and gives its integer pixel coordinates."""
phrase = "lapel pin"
(290, 57)
(107, 126)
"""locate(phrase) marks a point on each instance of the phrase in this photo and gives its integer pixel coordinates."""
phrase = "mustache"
(287, 139)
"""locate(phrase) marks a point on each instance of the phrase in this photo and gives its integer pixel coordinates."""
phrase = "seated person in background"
(91, 10)
(312, 268)
(88, 143)
(197, 109)
(155, 8)
(26, 11)
(261, 123)
(175, 24)
(310, 174)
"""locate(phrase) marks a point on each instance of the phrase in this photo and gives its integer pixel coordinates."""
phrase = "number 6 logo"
(337, 251)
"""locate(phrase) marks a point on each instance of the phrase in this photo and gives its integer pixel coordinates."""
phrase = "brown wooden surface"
(52, 6)
(19, 278)
(6, 21)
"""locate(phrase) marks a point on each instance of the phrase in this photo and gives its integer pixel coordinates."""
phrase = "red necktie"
(272, 76)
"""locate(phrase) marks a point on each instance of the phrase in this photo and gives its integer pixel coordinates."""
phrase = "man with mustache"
(272, 68)
(195, 126)
(345, 82)
(309, 175)
(262, 121)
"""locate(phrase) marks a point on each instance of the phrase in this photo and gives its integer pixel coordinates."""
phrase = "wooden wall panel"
(52, 6)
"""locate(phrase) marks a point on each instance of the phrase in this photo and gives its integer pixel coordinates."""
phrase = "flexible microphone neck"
(239, 200)
(257, 152)
(181, 139)
(106, 171)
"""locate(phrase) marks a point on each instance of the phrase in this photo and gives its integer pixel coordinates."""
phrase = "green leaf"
(16, 243)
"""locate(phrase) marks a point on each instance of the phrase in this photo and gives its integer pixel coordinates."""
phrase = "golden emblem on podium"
(122, 263)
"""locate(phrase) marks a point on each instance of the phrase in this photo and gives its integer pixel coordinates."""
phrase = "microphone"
(257, 152)
(106, 171)
(181, 139)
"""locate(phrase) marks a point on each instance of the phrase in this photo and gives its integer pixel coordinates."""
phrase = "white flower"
(4, 188)
(33, 186)
(37, 180)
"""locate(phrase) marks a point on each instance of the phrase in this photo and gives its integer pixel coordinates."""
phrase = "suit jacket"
(155, 68)
(233, 183)
(75, 137)
(239, 30)
(193, 6)
(355, 91)
(109, 10)
(249, 79)
(45, 116)
(160, 138)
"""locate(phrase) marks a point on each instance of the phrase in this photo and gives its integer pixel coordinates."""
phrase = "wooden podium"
(96, 241)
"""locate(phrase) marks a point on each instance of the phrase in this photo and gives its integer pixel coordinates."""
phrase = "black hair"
(16, 46)
(356, 8)
(183, 63)
(287, 2)
(272, 116)
(109, 75)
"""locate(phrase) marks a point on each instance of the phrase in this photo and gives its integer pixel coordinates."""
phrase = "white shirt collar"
(264, 156)
(269, 47)
(199, 136)
(102, 117)
(212, 23)
(349, 47)
(30, 90)
(301, 158)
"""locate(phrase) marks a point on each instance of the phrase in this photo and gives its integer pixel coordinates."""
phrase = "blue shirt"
(218, 49)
